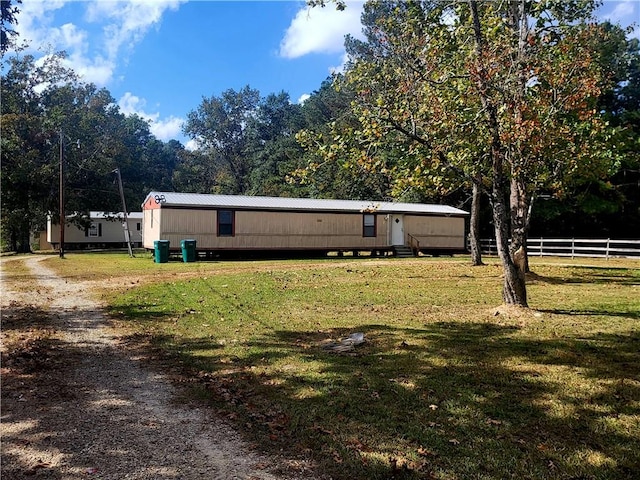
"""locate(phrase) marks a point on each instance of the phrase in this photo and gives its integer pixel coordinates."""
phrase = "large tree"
(608, 207)
(221, 126)
(503, 94)
(29, 147)
(328, 172)
(273, 149)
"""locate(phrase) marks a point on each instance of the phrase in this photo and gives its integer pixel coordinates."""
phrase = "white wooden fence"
(574, 247)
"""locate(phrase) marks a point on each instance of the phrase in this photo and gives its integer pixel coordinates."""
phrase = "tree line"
(246, 145)
(525, 113)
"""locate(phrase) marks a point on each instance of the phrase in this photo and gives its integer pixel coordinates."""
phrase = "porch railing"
(414, 244)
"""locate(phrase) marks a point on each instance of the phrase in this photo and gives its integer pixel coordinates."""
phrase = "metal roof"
(174, 199)
(116, 215)
(93, 215)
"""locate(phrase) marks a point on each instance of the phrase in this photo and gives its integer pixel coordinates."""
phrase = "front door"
(397, 230)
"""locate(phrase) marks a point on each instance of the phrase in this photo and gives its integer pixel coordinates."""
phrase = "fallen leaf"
(320, 429)
(424, 452)
(336, 457)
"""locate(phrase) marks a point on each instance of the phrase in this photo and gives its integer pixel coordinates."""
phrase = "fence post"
(541, 246)
(573, 246)
(607, 252)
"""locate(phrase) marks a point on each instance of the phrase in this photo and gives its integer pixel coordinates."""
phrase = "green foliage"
(608, 206)
(221, 126)
(326, 171)
(28, 145)
(273, 148)
(246, 144)
(8, 14)
(502, 94)
(47, 114)
(428, 105)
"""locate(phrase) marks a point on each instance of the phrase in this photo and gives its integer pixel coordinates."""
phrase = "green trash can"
(161, 251)
(188, 250)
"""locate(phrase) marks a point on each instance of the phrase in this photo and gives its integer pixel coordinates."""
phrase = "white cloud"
(340, 68)
(98, 42)
(303, 98)
(126, 22)
(321, 30)
(130, 104)
(624, 13)
(163, 129)
(95, 47)
(96, 70)
(192, 145)
(34, 26)
(167, 128)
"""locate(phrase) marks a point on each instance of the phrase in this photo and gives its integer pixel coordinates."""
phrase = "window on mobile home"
(368, 225)
(95, 230)
(225, 223)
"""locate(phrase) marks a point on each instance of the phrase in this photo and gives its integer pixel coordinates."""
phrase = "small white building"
(106, 230)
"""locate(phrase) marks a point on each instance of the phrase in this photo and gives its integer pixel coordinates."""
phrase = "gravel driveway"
(77, 404)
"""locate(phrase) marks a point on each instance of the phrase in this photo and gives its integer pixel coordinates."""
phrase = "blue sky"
(159, 58)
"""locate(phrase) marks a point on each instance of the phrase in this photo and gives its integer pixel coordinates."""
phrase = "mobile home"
(105, 230)
(229, 223)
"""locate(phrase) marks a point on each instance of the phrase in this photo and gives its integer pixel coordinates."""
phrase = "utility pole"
(127, 236)
(62, 216)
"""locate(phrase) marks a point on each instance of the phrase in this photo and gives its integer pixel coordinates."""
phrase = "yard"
(447, 384)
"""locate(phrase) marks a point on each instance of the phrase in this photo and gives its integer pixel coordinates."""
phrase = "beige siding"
(436, 232)
(270, 230)
(295, 230)
(173, 225)
(112, 232)
(150, 227)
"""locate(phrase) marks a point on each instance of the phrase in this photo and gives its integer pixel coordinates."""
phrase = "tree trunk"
(20, 237)
(519, 203)
(514, 290)
(23, 239)
(13, 241)
(474, 227)
(518, 199)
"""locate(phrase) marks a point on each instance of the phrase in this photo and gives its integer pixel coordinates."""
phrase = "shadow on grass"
(452, 400)
(630, 314)
(449, 400)
(591, 275)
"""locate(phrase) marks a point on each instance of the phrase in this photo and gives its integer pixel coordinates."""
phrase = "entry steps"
(403, 251)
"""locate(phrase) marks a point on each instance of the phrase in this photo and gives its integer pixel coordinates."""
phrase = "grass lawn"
(446, 385)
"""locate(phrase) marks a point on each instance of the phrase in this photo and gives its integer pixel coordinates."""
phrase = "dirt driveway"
(77, 404)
